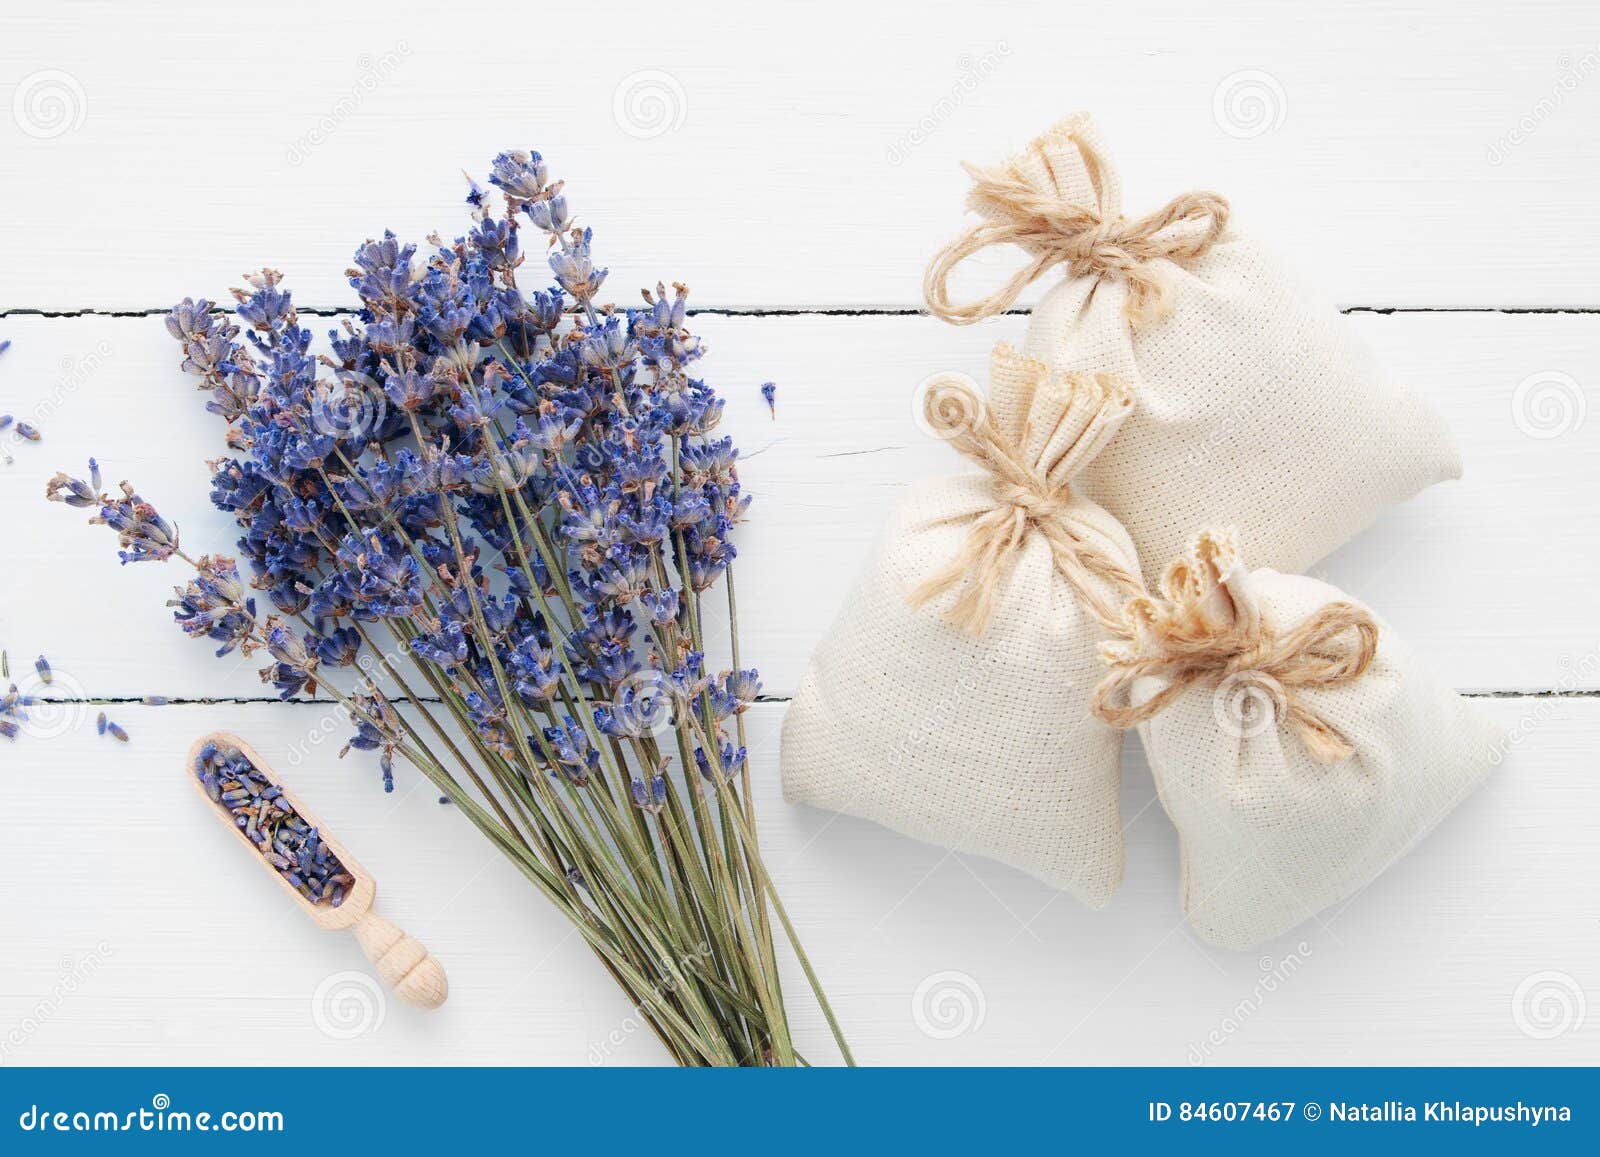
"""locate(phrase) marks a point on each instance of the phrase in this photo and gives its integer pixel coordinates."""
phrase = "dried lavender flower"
(11, 712)
(42, 665)
(769, 391)
(28, 430)
(521, 492)
(100, 724)
(145, 536)
(116, 732)
(284, 839)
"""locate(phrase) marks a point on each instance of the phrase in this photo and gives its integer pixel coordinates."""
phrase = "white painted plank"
(1435, 153)
(1491, 577)
(197, 959)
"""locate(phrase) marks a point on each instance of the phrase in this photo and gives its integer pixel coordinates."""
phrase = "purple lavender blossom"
(490, 404)
(145, 536)
(508, 502)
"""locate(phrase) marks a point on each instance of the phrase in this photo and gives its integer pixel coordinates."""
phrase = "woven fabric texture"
(1270, 834)
(1255, 408)
(981, 742)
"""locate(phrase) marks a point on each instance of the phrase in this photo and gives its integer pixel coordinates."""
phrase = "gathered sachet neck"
(1034, 432)
(1209, 628)
(1060, 201)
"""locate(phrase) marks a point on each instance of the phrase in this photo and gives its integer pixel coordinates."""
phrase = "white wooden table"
(1431, 167)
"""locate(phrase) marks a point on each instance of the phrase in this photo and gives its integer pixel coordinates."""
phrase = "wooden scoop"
(401, 960)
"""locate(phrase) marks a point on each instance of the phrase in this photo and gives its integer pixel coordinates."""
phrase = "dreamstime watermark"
(1576, 672)
(49, 103)
(373, 72)
(1248, 703)
(76, 370)
(160, 1117)
(971, 73)
(649, 103)
(948, 1004)
(75, 972)
(643, 703)
(1569, 75)
(1274, 974)
(331, 725)
(938, 715)
(335, 722)
(1548, 1004)
(1549, 404)
(674, 968)
(352, 407)
(1249, 103)
(347, 1005)
(946, 405)
(1283, 367)
(42, 710)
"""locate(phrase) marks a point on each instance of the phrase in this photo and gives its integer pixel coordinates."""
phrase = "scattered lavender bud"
(100, 724)
(769, 391)
(28, 430)
(10, 704)
(155, 700)
(444, 799)
(5, 420)
(4, 345)
(116, 732)
(42, 665)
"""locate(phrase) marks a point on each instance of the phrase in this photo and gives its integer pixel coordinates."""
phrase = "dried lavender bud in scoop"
(271, 823)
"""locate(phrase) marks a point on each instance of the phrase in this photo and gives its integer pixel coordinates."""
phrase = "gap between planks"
(763, 700)
(816, 311)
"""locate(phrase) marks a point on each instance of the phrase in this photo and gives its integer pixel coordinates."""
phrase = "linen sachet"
(1255, 408)
(1298, 745)
(950, 699)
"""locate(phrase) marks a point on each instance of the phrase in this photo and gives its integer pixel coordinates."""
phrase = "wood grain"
(805, 159)
(1436, 157)
(1421, 967)
(1492, 577)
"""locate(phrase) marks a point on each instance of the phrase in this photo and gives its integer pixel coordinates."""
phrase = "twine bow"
(1186, 643)
(1025, 502)
(1057, 233)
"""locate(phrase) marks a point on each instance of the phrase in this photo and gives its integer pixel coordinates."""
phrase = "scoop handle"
(402, 962)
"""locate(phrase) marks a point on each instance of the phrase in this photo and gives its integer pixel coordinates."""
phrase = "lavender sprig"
(522, 491)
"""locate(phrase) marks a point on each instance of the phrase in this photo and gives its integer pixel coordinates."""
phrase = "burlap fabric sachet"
(1298, 745)
(1254, 408)
(950, 699)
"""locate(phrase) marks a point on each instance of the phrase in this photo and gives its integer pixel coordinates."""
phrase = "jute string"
(1176, 638)
(1190, 650)
(1056, 233)
(1025, 503)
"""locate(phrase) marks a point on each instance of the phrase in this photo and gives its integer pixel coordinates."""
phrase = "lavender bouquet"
(505, 511)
